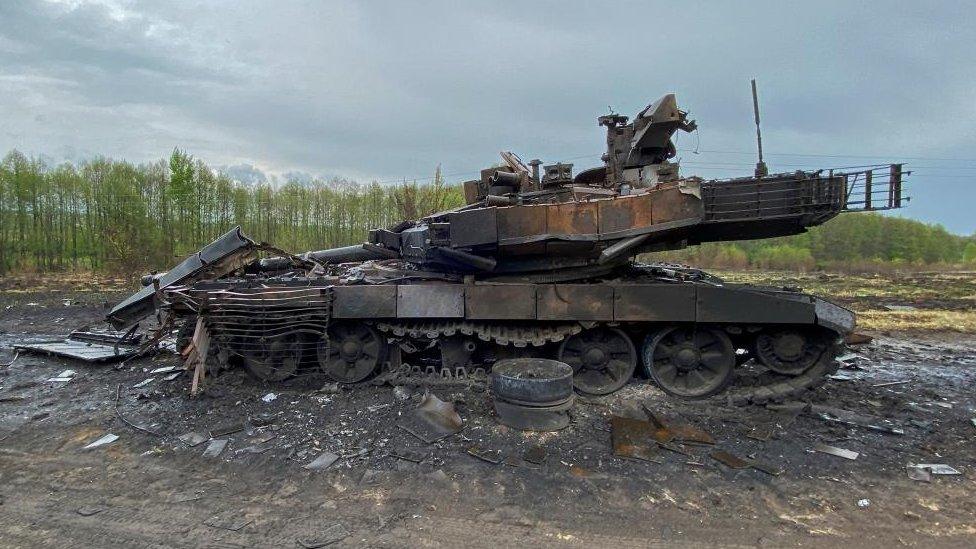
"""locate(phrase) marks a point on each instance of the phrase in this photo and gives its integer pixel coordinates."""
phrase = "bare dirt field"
(389, 489)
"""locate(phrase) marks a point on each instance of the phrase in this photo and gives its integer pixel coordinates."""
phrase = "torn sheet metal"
(634, 438)
(107, 439)
(229, 252)
(323, 461)
(939, 468)
(729, 460)
(215, 448)
(80, 350)
(535, 454)
(193, 439)
(64, 376)
(835, 451)
(432, 420)
(918, 473)
(486, 454)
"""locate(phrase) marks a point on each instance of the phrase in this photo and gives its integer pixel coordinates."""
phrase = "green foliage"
(115, 216)
(108, 215)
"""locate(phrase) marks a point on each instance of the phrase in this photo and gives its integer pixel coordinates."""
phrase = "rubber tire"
(539, 381)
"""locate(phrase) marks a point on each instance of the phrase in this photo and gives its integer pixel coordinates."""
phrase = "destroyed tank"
(537, 263)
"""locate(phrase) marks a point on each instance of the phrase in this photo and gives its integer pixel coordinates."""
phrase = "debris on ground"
(432, 420)
(634, 439)
(215, 448)
(323, 461)
(63, 377)
(938, 468)
(834, 451)
(106, 439)
(192, 439)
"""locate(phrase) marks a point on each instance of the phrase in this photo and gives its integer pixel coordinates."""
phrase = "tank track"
(780, 388)
(771, 389)
(515, 335)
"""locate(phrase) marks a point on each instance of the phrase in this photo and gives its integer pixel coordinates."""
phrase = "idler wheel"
(532, 381)
(274, 359)
(689, 362)
(351, 352)
(603, 360)
(789, 351)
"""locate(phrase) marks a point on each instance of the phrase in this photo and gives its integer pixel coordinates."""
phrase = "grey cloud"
(387, 90)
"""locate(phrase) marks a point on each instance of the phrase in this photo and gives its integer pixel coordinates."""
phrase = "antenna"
(761, 170)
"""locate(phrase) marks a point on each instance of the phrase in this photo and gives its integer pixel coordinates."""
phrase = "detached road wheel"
(603, 360)
(689, 362)
(532, 381)
(351, 353)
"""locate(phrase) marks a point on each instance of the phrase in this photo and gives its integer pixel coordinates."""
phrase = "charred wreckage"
(538, 263)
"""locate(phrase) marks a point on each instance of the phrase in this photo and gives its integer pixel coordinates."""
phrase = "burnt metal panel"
(625, 213)
(80, 350)
(573, 218)
(365, 302)
(670, 204)
(574, 302)
(473, 227)
(430, 301)
(654, 302)
(229, 252)
(500, 302)
(516, 222)
(742, 305)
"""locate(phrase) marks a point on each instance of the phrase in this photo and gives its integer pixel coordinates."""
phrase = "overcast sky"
(389, 90)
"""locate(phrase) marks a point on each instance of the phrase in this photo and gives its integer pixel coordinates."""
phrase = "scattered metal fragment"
(535, 454)
(144, 382)
(106, 439)
(674, 448)
(332, 534)
(862, 503)
(226, 429)
(172, 376)
(89, 511)
(491, 456)
(762, 432)
(767, 468)
(432, 420)
(899, 308)
(11, 363)
(729, 460)
(890, 383)
(834, 451)
(79, 349)
(263, 419)
(215, 448)
(269, 397)
(323, 461)
(163, 370)
(633, 438)
(939, 468)
(919, 473)
(668, 431)
(261, 438)
(973, 421)
(64, 376)
(118, 412)
(192, 439)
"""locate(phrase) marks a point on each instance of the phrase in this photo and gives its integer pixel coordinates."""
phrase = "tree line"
(114, 216)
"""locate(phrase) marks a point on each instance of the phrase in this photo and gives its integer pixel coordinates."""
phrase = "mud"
(390, 489)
